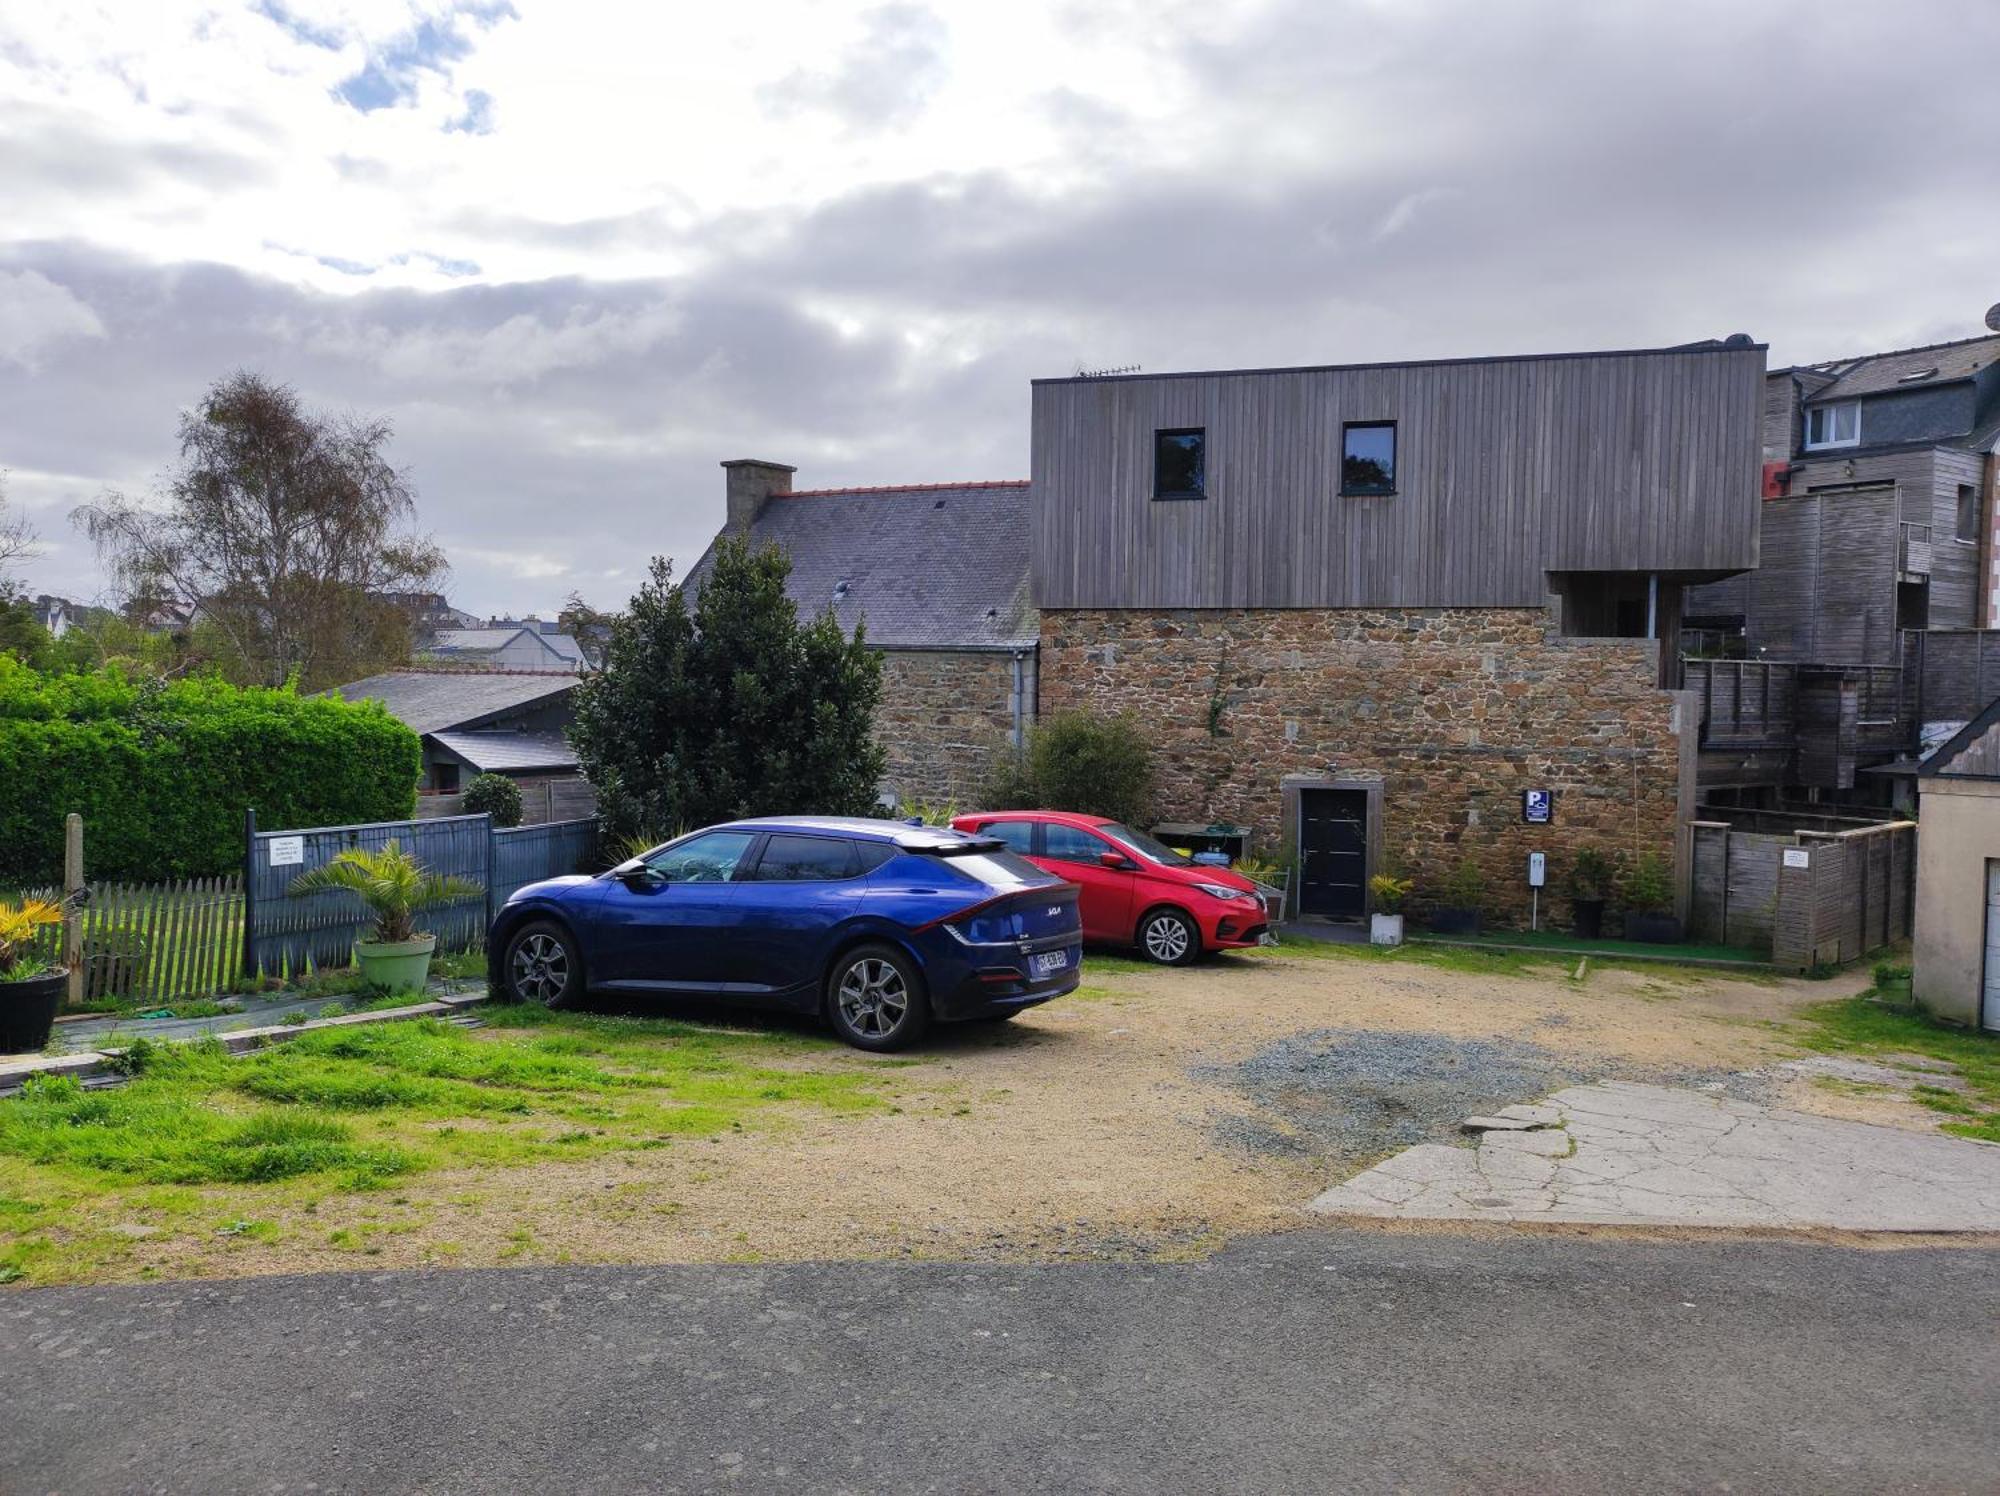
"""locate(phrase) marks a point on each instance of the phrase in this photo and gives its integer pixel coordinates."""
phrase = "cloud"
(883, 79)
(36, 314)
(478, 116)
(394, 68)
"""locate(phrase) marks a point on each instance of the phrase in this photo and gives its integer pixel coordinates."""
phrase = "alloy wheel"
(1166, 939)
(873, 997)
(540, 969)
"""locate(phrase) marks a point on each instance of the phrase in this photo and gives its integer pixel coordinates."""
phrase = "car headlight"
(1219, 891)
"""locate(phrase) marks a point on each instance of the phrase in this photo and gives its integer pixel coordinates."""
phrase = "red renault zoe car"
(1136, 890)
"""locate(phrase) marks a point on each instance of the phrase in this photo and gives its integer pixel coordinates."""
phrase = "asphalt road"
(1324, 1360)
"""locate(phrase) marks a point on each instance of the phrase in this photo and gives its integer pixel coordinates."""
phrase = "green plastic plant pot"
(396, 966)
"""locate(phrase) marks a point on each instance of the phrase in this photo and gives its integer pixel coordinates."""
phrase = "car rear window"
(805, 859)
(996, 869)
(1018, 835)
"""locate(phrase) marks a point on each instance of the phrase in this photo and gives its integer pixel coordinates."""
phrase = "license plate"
(1048, 962)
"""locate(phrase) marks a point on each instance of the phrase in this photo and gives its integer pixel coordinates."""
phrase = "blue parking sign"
(1538, 807)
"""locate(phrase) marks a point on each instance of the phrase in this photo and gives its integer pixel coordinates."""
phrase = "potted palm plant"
(31, 985)
(395, 888)
(1648, 890)
(1590, 880)
(1385, 922)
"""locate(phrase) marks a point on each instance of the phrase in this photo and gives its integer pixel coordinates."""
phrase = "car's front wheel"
(542, 965)
(1169, 937)
(875, 999)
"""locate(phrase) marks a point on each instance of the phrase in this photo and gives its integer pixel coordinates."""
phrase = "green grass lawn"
(196, 1136)
(1881, 1022)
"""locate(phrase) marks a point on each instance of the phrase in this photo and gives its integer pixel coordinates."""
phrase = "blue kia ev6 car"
(882, 927)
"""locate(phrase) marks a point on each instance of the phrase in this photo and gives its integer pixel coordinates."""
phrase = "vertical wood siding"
(1506, 470)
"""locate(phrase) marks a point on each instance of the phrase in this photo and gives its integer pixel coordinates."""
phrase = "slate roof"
(434, 701)
(505, 752)
(1885, 371)
(929, 565)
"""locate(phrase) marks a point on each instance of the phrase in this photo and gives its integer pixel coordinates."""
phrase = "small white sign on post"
(288, 851)
(1797, 857)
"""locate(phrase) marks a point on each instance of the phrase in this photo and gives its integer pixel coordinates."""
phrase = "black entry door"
(1333, 853)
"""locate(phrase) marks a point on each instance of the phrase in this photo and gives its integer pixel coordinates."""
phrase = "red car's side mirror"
(1114, 859)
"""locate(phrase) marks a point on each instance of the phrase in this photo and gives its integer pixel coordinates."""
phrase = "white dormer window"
(1833, 425)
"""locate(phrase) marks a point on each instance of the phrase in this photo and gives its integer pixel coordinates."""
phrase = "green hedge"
(162, 772)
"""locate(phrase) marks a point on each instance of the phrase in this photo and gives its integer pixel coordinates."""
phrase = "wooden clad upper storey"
(1504, 470)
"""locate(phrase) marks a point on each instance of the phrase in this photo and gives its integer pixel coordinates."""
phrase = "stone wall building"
(938, 574)
(1364, 611)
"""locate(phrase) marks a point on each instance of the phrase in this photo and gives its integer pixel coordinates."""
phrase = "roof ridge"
(464, 670)
(1859, 359)
(822, 493)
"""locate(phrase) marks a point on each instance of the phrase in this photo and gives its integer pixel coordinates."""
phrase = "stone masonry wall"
(944, 715)
(1453, 711)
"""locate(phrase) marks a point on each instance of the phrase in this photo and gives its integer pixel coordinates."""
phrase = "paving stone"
(1648, 1155)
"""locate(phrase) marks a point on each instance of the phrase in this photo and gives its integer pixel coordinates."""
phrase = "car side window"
(709, 858)
(1018, 835)
(1071, 843)
(805, 859)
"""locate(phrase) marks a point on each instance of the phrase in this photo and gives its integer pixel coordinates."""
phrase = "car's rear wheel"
(542, 965)
(875, 999)
(1169, 937)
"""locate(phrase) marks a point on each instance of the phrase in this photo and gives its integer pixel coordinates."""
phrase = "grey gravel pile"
(1361, 1092)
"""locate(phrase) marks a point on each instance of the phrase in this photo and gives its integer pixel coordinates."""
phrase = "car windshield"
(1148, 847)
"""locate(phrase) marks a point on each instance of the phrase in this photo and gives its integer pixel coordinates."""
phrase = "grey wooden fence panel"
(527, 854)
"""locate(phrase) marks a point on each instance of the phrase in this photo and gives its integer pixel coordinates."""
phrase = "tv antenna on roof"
(1083, 373)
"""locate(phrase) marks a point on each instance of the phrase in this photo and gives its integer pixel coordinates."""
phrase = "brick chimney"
(749, 483)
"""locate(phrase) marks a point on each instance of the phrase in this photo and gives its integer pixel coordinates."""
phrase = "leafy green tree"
(280, 530)
(726, 705)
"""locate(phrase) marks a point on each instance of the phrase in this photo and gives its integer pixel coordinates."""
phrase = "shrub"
(1590, 875)
(1464, 887)
(162, 771)
(1647, 886)
(495, 795)
(1079, 761)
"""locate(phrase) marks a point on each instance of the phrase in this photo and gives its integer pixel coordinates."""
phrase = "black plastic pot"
(1652, 929)
(1588, 918)
(1455, 921)
(28, 1012)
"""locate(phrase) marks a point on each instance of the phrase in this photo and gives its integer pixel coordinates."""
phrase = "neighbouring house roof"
(926, 565)
(1881, 372)
(508, 752)
(480, 643)
(434, 701)
(1969, 752)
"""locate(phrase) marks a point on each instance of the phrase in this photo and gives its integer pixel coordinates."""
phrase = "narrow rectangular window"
(1968, 514)
(1367, 459)
(1180, 464)
(1834, 425)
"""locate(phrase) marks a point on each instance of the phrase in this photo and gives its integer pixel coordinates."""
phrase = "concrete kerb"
(100, 1065)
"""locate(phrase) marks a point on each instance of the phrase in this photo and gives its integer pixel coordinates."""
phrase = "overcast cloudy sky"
(581, 252)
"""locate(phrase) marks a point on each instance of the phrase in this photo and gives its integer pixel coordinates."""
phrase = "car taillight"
(987, 926)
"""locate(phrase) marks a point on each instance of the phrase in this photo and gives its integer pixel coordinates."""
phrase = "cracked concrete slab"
(1624, 1154)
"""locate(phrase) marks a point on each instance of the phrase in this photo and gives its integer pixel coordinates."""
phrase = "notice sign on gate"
(288, 851)
(1797, 857)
